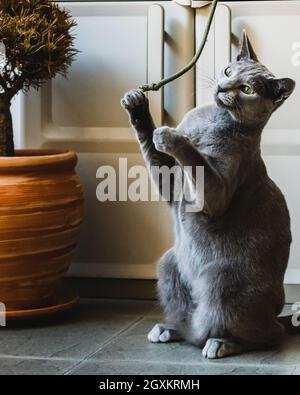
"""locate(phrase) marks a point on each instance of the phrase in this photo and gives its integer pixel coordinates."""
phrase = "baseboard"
(292, 293)
(124, 270)
(146, 271)
(292, 277)
(114, 288)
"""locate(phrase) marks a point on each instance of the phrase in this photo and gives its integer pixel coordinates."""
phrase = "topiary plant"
(37, 44)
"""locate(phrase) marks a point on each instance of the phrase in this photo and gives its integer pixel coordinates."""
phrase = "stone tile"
(296, 372)
(113, 335)
(16, 366)
(287, 309)
(291, 309)
(287, 354)
(73, 335)
(292, 293)
(156, 313)
(132, 345)
(144, 368)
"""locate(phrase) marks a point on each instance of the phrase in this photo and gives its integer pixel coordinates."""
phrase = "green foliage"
(38, 40)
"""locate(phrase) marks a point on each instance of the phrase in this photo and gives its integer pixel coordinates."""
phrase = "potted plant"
(40, 193)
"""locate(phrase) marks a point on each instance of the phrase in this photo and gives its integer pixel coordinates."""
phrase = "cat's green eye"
(247, 90)
(228, 72)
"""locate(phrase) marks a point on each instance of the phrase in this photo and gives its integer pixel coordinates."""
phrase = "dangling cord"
(160, 84)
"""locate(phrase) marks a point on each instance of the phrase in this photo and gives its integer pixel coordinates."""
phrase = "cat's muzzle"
(224, 99)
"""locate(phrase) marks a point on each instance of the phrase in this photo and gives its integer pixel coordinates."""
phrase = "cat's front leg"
(136, 104)
(181, 148)
(162, 333)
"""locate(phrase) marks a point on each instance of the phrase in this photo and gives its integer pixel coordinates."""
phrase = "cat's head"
(249, 90)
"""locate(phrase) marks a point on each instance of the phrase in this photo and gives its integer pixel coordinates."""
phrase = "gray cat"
(221, 285)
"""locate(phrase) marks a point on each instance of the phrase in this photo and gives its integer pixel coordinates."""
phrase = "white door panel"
(273, 28)
(120, 49)
(112, 40)
(123, 45)
(119, 239)
(282, 171)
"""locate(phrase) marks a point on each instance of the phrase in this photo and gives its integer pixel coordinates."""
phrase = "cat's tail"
(291, 324)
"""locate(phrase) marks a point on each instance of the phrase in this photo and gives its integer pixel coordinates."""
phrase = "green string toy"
(156, 86)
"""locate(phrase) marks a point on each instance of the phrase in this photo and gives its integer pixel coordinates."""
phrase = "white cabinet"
(273, 28)
(125, 44)
(122, 45)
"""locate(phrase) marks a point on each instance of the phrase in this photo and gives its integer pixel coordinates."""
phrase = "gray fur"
(221, 285)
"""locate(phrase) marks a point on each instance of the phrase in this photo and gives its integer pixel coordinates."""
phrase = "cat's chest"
(210, 141)
(209, 129)
(192, 237)
(198, 241)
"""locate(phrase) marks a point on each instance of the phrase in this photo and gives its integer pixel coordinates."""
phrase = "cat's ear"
(246, 51)
(282, 89)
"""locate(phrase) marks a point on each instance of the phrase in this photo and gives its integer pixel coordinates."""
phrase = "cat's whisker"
(207, 86)
(207, 78)
(211, 81)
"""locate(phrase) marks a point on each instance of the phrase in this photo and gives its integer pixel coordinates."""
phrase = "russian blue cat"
(221, 285)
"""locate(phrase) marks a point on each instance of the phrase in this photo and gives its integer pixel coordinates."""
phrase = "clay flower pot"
(41, 204)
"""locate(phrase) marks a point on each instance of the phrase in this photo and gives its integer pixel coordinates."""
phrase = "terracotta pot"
(41, 204)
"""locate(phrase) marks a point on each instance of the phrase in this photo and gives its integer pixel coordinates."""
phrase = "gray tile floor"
(110, 337)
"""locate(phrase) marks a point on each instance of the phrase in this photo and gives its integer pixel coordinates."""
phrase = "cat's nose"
(221, 89)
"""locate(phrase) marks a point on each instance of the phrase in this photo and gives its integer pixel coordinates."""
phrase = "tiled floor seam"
(192, 364)
(107, 342)
(36, 358)
(78, 360)
(204, 364)
(90, 360)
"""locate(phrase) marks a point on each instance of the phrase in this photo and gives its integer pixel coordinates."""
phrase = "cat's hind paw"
(220, 348)
(162, 334)
(134, 98)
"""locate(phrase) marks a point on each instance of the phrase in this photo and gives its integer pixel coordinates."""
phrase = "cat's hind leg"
(234, 316)
(175, 299)
(221, 348)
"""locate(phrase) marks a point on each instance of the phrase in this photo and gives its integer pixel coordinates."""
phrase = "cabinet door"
(273, 28)
(122, 45)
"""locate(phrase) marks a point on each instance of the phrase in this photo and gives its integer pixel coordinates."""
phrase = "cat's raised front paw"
(134, 98)
(162, 334)
(167, 140)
